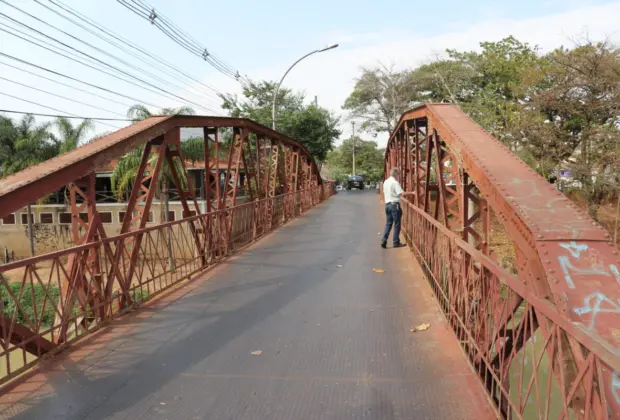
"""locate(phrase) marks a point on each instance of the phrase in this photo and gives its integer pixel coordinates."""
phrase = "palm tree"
(23, 145)
(140, 112)
(70, 136)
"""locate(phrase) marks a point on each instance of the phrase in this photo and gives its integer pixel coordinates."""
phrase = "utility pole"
(353, 139)
(316, 101)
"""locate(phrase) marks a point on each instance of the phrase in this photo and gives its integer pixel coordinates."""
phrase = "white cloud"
(330, 75)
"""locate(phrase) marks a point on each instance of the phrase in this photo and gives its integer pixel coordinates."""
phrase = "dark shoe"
(398, 245)
(383, 245)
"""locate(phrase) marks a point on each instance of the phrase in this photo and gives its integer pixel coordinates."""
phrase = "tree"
(368, 160)
(313, 126)
(581, 104)
(70, 137)
(381, 95)
(140, 112)
(23, 145)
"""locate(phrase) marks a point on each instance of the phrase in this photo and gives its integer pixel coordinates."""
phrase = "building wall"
(52, 226)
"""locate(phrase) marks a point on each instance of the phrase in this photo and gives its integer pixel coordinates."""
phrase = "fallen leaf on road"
(377, 270)
(257, 352)
(420, 327)
(339, 266)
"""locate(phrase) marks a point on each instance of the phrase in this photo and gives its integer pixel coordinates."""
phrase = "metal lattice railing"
(39, 317)
(527, 366)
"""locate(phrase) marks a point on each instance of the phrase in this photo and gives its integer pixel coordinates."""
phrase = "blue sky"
(261, 39)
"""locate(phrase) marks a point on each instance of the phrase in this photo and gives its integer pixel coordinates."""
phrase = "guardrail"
(36, 321)
(527, 365)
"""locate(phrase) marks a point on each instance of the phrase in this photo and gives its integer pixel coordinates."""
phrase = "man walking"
(391, 193)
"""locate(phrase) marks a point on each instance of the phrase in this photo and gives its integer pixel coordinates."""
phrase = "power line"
(127, 105)
(58, 110)
(74, 79)
(103, 62)
(54, 49)
(156, 59)
(113, 56)
(153, 62)
(57, 95)
(72, 116)
(147, 12)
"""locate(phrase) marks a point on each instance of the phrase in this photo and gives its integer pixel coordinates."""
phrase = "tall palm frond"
(138, 112)
(70, 136)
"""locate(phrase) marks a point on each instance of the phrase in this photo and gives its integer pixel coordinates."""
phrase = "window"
(64, 218)
(25, 218)
(106, 217)
(121, 216)
(84, 217)
(172, 216)
(191, 213)
(9, 220)
(46, 218)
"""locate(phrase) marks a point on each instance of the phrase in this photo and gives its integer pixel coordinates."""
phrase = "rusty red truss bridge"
(544, 333)
(527, 282)
(101, 277)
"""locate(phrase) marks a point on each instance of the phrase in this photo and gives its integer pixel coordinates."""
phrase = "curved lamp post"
(275, 93)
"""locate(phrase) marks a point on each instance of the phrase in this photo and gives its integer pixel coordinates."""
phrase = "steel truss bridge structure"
(102, 276)
(541, 336)
(544, 335)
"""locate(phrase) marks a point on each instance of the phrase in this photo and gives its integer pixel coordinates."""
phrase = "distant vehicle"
(355, 181)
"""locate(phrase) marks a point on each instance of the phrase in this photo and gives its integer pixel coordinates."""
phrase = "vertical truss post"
(140, 201)
(172, 139)
(83, 263)
(232, 176)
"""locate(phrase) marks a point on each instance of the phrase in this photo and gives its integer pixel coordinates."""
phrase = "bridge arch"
(100, 276)
(565, 286)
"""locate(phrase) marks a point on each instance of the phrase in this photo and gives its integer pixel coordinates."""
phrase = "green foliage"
(25, 143)
(381, 95)
(43, 303)
(368, 160)
(70, 136)
(557, 110)
(314, 127)
(139, 112)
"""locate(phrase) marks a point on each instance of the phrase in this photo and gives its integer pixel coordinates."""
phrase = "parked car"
(355, 181)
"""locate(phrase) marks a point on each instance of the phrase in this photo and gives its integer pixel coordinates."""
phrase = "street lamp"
(275, 93)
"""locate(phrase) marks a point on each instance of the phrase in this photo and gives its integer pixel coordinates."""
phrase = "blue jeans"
(392, 214)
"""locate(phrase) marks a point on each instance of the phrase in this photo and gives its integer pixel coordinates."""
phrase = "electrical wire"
(102, 51)
(105, 64)
(75, 80)
(93, 66)
(144, 10)
(125, 104)
(72, 116)
(156, 60)
(59, 110)
(59, 96)
(77, 61)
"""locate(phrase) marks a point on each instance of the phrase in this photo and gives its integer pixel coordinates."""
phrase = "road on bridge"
(298, 326)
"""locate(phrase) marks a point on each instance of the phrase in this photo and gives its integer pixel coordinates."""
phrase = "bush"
(27, 314)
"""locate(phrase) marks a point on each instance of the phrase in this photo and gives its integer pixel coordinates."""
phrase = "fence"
(525, 358)
(52, 300)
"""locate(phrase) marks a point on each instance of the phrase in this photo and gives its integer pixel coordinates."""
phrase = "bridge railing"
(522, 367)
(133, 267)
